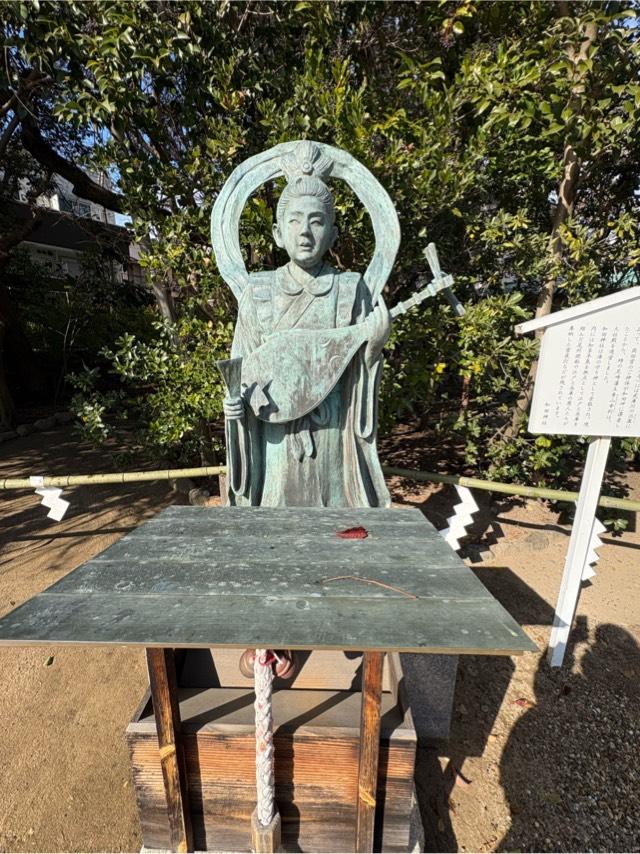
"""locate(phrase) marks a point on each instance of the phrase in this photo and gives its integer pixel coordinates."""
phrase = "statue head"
(305, 217)
(297, 159)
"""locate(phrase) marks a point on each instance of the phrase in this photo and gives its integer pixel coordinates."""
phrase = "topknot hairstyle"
(305, 185)
(305, 168)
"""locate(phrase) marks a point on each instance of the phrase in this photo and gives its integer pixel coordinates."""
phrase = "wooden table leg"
(164, 693)
(369, 749)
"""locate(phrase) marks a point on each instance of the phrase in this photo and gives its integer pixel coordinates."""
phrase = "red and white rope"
(265, 785)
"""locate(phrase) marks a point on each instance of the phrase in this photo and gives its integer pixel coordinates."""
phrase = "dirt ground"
(538, 760)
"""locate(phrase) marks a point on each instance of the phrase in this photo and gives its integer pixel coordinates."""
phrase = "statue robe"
(327, 458)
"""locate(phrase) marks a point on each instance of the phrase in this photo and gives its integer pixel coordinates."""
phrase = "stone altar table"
(276, 578)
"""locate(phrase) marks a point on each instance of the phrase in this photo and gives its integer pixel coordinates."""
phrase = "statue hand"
(380, 324)
(233, 408)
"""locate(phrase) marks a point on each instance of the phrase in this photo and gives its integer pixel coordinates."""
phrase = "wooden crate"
(316, 755)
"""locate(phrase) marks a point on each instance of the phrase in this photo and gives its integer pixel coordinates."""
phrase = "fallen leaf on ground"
(49, 661)
(524, 703)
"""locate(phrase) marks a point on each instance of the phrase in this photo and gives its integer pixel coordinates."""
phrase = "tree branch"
(83, 185)
(12, 97)
(8, 132)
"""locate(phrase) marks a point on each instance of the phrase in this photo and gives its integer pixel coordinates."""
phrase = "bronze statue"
(301, 410)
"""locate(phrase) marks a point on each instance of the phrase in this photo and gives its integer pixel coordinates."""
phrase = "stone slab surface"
(281, 578)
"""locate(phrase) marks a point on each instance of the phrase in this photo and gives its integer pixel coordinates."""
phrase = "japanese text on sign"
(588, 379)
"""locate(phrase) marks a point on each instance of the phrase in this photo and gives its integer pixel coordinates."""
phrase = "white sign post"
(587, 384)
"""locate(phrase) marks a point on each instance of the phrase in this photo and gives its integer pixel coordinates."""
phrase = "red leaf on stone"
(353, 534)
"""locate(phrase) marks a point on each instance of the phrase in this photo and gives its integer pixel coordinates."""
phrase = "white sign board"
(587, 384)
(588, 380)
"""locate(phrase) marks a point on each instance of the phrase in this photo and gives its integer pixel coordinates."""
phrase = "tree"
(475, 117)
(34, 145)
(545, 102)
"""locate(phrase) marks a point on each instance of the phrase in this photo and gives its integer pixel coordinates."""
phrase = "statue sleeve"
(367, 379)
(246, 337)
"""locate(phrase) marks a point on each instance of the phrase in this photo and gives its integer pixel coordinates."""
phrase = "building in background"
(73, 226)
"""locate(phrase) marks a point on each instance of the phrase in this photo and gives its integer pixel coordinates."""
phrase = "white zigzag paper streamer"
(51, 499)
(592, 556)
(462, 517)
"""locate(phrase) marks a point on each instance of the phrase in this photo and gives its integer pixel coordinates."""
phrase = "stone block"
(45, 423)
(429, 682)
(64, 417)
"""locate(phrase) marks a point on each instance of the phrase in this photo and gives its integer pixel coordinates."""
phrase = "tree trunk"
(163, 292)
(566, 201)
(567, 191)
(164, 299)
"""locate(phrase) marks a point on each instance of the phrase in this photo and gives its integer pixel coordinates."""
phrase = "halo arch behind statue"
(266, 166)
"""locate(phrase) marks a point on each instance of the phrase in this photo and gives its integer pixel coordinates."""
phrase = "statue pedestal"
(316, 749)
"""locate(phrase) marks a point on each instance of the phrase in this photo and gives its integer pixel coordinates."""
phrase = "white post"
(579, 546)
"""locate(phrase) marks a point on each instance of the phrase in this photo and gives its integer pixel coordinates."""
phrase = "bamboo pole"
(520, 489)
(510, 488)
(115, 477)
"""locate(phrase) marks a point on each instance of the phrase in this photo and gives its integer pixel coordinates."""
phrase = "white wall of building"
(65, 200)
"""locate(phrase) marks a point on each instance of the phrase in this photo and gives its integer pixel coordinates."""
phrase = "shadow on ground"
(568, 766)
(571, 779)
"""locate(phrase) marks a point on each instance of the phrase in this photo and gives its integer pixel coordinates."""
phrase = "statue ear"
(277, 235)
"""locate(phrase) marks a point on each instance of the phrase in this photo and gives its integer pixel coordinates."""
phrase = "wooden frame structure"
(164, 689)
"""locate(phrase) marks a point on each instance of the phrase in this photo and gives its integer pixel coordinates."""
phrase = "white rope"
(265, 784)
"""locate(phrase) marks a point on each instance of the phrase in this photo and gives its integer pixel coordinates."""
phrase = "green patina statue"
(310, 422)
(306, 358)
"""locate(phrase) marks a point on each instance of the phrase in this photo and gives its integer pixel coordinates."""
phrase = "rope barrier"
(64, 481)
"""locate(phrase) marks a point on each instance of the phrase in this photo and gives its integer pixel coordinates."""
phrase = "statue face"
(306, 232)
